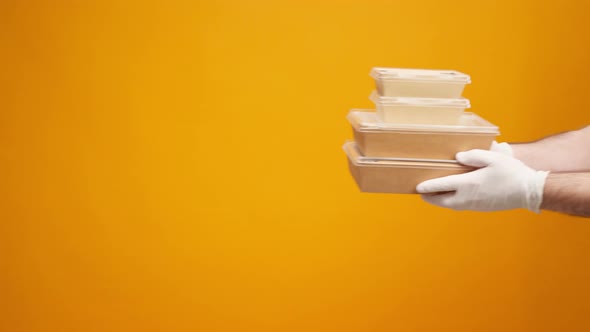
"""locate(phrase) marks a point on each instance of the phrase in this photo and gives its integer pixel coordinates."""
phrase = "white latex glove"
(503, 148)
(501, 183)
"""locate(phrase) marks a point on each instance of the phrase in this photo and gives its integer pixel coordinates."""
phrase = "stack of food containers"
(418, 126)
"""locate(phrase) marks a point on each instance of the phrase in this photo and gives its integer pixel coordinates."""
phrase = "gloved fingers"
(447, 183)
(503, 148)
(476, 158)
(442, 200)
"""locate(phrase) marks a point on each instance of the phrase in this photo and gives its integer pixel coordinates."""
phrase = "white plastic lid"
(366, 120)
(351, 150)
(420, 102)
(446, 76)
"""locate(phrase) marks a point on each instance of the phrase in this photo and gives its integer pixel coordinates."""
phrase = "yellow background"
(177, 166)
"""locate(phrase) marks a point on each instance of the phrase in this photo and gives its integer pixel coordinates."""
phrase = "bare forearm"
(567, 193)
(566, 152)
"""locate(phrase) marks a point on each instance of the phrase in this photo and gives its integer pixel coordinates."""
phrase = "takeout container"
(415, 110)
(401, 82)
(395, 175)
(420, 140)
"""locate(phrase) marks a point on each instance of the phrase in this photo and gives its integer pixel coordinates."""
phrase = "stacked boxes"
(418, 126)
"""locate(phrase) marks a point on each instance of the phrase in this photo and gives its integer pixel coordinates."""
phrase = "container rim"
(351, 149)
(421, 75)
(419, 101)
(365, 120)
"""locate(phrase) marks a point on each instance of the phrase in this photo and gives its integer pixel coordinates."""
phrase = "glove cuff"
(535, 190)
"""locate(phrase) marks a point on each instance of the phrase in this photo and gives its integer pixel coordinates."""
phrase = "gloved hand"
(500, 183)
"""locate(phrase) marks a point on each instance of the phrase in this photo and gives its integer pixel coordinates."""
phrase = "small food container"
(395, 175)
(419, 140)
(416, 110)
(401, 82)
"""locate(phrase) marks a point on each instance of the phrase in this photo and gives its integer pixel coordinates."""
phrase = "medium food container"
(419, 140)
(419, 110)
(401, 82)
(394, 175)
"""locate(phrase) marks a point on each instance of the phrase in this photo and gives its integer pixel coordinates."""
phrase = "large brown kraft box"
(379, 139)
(395, 175)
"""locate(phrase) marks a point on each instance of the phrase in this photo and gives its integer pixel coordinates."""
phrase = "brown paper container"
(402, 82)
(420, 141)
(441, 111)
(395, 176)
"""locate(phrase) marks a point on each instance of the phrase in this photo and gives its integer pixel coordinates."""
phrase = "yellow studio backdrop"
(177, 166)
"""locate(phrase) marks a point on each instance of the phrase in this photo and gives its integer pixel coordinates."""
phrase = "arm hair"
(567, 193)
